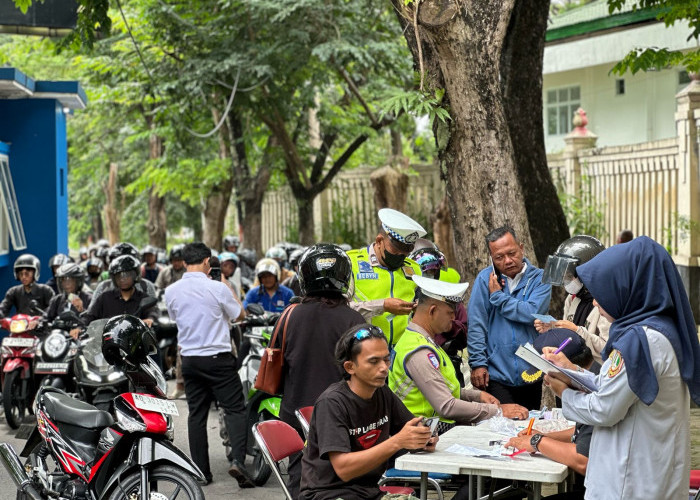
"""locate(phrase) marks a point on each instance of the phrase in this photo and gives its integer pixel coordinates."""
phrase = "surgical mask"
(574, 286)
(393, 261)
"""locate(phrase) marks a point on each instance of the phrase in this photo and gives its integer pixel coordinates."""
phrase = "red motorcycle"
(79, 452)
(18, 351)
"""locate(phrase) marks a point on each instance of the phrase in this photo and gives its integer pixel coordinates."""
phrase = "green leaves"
(417, 104)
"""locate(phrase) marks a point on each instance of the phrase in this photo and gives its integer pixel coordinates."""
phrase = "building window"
(683, 78)
(10, 208)
(619, 87)
(561, 105)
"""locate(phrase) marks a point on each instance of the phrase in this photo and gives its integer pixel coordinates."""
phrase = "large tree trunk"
(157, 224)
(111, 206)
(252, 203)
(214, 214)
(305, 210)
(521, 80)
(390, 188)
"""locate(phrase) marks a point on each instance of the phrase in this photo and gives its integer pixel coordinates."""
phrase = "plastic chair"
(304, 417)
(277, 440)
(694, 492)
(435, 479)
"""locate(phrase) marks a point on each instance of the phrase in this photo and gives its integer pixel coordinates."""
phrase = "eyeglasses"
(365, 333)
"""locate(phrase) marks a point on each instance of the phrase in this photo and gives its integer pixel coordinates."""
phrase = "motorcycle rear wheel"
(12, 400)
(167, 480)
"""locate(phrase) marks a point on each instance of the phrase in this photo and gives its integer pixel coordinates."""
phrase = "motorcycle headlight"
(19, 325)
(55, 345)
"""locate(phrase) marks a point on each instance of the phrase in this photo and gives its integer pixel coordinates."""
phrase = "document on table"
(583, 381)
(469, 451)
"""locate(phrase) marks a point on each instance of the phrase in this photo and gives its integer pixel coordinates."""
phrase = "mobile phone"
(72, 297)
(495, 271)
(215, 273)
(432, 423)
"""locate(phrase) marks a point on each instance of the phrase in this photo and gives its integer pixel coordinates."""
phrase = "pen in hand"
(562, 346)
(529, 426)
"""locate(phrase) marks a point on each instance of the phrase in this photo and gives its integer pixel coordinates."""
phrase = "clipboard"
(577, 380)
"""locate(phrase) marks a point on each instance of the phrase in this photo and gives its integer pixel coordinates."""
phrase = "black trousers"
(528, 395)
(208, 379)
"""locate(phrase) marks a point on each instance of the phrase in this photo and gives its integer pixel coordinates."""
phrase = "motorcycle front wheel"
(164, 481)
(12, 399)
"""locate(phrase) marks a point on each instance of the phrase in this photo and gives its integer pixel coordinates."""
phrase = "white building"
(582, 47)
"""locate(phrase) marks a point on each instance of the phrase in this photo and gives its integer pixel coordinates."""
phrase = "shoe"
(177, 393)
(241, 474)
(204, 482)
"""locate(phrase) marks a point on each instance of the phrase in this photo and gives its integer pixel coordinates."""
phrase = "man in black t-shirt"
(358, 424)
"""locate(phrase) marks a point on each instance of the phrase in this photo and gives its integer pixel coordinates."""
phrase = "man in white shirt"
(202, 309)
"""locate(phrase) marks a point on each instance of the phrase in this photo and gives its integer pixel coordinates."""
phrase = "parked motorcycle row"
(105, 431)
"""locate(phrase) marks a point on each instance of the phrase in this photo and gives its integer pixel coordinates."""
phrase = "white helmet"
(267, 265)
(276, 253)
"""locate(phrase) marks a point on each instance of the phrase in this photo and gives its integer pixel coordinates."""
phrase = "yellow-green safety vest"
(404, 386)
(377, 282)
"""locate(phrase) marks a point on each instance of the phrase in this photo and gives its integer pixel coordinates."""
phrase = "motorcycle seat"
(68, 410)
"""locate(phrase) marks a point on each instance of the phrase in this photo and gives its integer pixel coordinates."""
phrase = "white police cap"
(452, 293)
(400, 226)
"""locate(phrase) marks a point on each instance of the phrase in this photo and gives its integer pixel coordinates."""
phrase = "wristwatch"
(535, 441)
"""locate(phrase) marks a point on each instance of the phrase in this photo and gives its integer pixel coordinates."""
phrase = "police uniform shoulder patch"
(408, 271)
(616, 363)
(433, 360)
(364, 266)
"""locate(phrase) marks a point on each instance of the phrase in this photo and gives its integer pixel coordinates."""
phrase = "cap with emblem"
(452, 293)
(400, 227)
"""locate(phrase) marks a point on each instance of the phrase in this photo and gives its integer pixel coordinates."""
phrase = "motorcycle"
(166, 334)
(55, 354)
(77, 451)
(256, 331)
(18, 350)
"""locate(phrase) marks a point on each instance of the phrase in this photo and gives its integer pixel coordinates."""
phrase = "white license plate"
(51, 367)
(18, 342)
(154, 404)
(259, 330)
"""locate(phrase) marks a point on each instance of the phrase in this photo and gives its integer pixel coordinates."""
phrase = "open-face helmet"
(27, 261)
(267, 265)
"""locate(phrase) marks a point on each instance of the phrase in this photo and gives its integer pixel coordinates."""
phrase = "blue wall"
(35, 130)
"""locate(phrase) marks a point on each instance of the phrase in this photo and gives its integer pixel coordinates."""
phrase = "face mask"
(574, 286)
(393, 261)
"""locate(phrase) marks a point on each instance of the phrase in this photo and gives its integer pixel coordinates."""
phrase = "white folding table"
(524, 467)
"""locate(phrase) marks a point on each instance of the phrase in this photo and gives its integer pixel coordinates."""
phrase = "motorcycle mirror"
(68, 316)
(146, 303)
(255, 309)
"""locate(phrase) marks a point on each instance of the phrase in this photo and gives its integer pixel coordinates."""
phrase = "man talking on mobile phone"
(503, 300)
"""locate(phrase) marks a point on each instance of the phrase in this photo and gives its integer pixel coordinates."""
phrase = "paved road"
(223, 485)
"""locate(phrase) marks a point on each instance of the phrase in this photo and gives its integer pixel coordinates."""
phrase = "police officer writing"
(423, 376)
(383, 287)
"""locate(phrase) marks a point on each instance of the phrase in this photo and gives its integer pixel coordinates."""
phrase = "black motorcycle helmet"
(71, 270)
(124, 263)
(230, 241)
(571, 253)
(27, 261)
(248, 256)
(176, 252)
(324, 268)
(59, 259)
(431, 261)
(295, 257)
(126, 339)
(123, 248)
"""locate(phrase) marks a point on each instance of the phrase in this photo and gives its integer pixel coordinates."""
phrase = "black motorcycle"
(55, 353)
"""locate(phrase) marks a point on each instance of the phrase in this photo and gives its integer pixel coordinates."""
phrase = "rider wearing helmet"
(83, 254)
(124, 297)
(94, 267)
(229, 269)
(270, 294)
(116, 251)
(70, 278)
(150, 267)
(54, 263)
(30, 295)
(313, 329)
(230, 244)
(293, 281)
(279, 254)
(173, 272)
(580, 315)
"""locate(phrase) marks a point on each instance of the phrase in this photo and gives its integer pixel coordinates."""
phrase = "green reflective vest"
(378, 282)
(403, 385)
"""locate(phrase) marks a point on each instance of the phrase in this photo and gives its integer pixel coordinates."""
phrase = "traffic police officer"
(384, 291)
(422, 374)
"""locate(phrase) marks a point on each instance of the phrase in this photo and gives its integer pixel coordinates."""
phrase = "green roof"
(595, 16)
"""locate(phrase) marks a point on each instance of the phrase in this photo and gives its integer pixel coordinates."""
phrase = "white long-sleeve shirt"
(637, 451)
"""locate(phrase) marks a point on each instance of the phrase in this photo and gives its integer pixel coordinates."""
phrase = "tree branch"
(356, 93)
(339, 163)
(321, 156)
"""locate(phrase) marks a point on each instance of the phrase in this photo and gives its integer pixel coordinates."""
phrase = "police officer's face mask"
(392, 261)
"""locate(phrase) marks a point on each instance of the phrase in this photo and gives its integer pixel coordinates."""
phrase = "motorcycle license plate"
(259, 330)
(154, 404)
(51, 368)
(17, 342)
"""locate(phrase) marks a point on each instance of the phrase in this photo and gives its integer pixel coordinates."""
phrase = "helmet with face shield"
(560, 269)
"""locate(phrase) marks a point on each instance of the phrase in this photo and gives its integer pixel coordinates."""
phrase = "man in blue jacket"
(503, 300)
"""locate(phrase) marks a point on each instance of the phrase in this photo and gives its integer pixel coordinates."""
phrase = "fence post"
(687, 258)
(576, 140)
